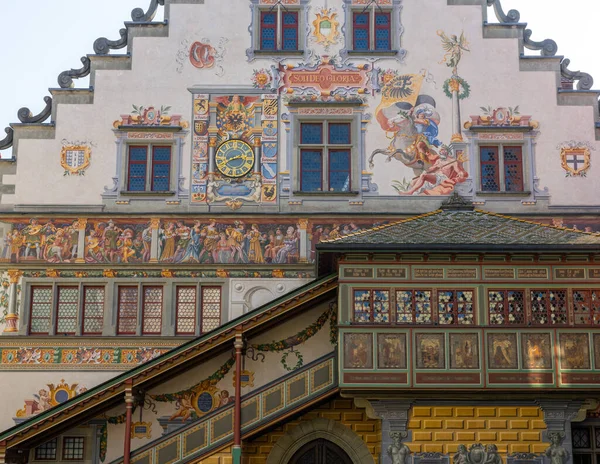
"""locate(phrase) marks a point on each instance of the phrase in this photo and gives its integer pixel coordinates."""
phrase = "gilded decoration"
(75, 159)
(49, 397)
(501, 117)
(575, 158)
(326, 32)
(141, 430)
(150, 116)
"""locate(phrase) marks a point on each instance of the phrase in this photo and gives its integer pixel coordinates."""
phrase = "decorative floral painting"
(502, 351)
(574, 351)
(358, 351)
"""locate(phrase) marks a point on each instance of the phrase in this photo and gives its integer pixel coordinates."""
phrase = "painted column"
(128, 413)
(14, 275)
(455, 89)
(237, 412)
(257, 155)
(2, 452)
(558, 415)
(154, 224)
(212, 145)
(304, 248)
(394, 429)
(81, 225)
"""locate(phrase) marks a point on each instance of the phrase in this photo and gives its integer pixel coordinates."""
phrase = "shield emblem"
(575, 161)
(270, 128)
(269, 150)
(75, 159)
(477, 454)
(201, 128)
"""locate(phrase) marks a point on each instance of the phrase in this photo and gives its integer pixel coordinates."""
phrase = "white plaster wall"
(491, 68)
(248, 294)
(18, 386)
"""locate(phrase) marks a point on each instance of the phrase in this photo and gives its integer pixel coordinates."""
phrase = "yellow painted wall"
(341, 410)
(513, 429)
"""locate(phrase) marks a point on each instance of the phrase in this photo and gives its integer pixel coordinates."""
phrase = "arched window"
(320, 452)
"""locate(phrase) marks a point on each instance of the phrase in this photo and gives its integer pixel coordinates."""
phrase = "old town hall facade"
(310, 231)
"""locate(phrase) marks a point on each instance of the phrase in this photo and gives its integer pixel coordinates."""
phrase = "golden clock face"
(234, 158)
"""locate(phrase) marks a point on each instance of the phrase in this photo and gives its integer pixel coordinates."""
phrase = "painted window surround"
(111, 296)
(360, 179)
(396, 30)
(503, 136)
(254, 52)
(118, 191)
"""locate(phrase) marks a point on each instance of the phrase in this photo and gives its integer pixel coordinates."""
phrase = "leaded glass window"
(67, 307)
(152, 310)
(455, 307)
(506, 307)
(372, 30)
(513, 169)
(211, 308)
(548, 307)
(413, 307)
(161, 169)
(138, 162)
(40, 310)
(128, 311)
(490, 174)
(149, 168)
(186, 310)
(501, 168)
(325, 156)
(93, 310)
(273, 37)
(586, 307)
(372, 305)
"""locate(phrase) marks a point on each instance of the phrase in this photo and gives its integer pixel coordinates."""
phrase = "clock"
(234, 158)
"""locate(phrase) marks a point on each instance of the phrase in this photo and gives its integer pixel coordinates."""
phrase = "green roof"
(468, 229)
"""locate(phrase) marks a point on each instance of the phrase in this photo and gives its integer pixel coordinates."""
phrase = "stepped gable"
(95, 401)
(458, 223)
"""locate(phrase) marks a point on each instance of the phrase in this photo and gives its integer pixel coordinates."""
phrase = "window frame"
(195, 312)
(326, 148)
(36, 457)
(505, 312)
(593, 452)
(413, 291)
(56, 310)
(300, 9)
(84, 304)
(501, 168)
(64, 448)
(32, 288)
(547, 290)
(396, 30)
(145, 302)
(150, 164)
(372, 301)
(119, 317)
(203, 317)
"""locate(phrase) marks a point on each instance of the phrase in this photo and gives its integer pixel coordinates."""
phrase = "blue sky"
(39, 39)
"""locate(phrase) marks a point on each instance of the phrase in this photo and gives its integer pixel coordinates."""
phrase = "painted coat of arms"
(575, 158)
(326, 28)
(75, 159)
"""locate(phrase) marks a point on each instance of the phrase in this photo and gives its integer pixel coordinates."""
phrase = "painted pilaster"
(14, 275)
(128, 413)
(257, 155)
(394, 429)
(304, 248)
(558, 415)
(154, 224)
(212, 146)
(237, 413)
(81, 225)
(455, 89)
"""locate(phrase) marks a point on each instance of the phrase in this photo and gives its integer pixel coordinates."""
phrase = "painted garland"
(299, 360)
(115, 420)
(464, 84)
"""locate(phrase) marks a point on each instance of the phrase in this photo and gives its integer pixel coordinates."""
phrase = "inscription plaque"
(532, 273)
(580, 378)
(594, 273)
(421, 273)
(461, 273)
(375, 377)
(441, 378)
(495, 273)
(365, 272)
(391, 272)
(569, 273)
(524, 378)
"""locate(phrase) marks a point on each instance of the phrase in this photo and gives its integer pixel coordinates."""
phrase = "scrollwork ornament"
(26, 116)
(513, 16)
(65, 78)
(138, 15)
(547, 47)
(7, 141)
(103, 46)
(584, 80)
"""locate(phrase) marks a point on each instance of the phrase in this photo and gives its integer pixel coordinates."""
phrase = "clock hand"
(234, 158)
